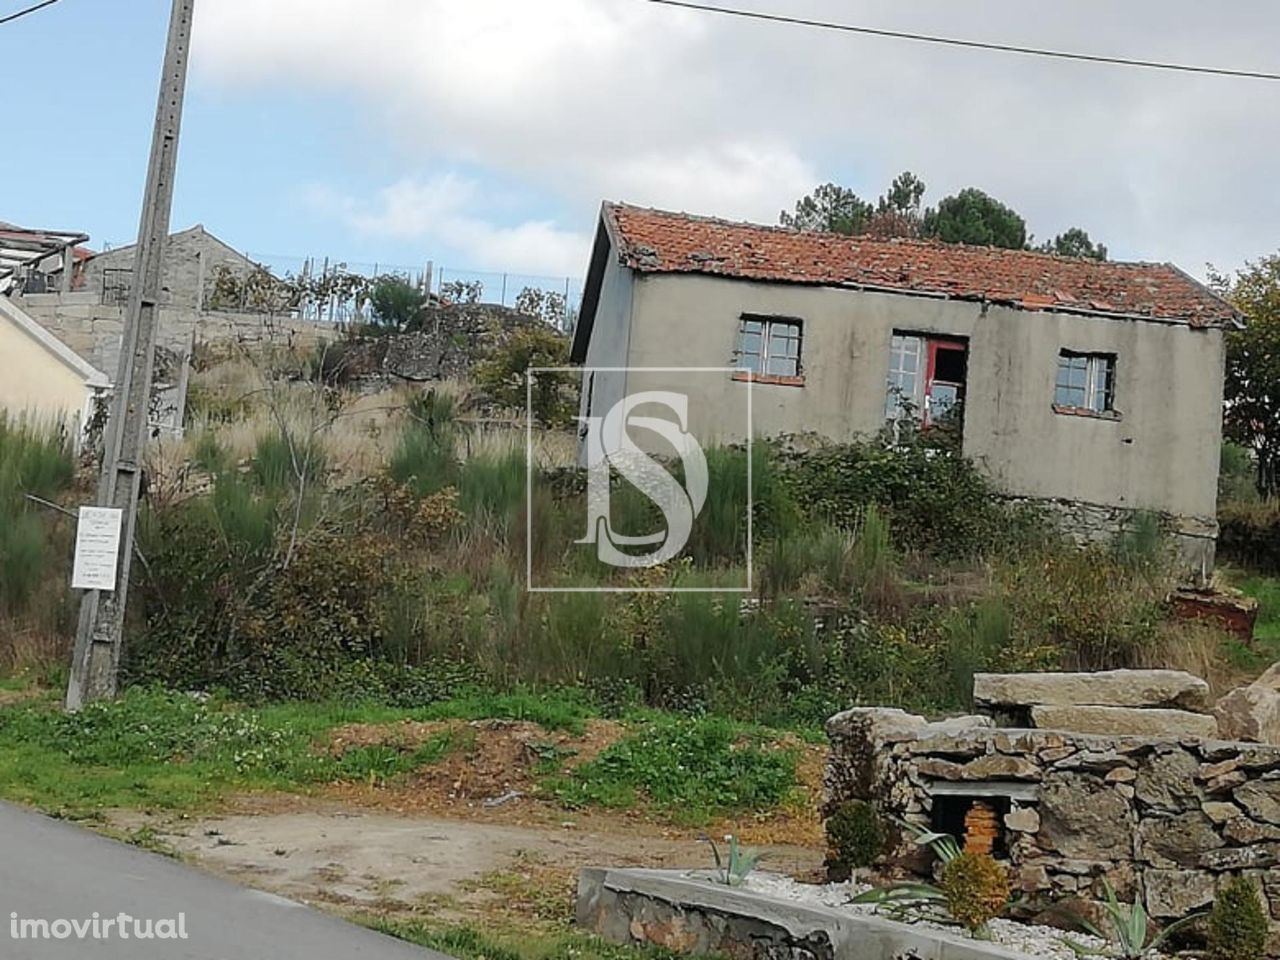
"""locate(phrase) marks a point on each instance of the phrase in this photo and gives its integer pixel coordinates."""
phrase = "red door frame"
(931, 366)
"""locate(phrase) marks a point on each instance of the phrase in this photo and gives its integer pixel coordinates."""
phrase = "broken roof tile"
(656, 241)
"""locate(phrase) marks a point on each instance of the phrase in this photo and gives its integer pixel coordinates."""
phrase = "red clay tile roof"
(656, 241)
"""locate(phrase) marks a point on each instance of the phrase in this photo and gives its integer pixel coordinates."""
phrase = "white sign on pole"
(97, 548)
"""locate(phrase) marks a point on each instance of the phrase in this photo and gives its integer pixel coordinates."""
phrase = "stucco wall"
(36, 382)
(1162, 454)
(609, 344)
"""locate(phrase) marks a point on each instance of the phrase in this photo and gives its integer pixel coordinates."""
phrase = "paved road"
(50, 870)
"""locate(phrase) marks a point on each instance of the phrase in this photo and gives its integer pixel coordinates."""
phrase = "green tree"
(898, 209)
(503, 373)
(1253, 366)
(395, 304)
(1074, 243)
(829, 209)
(975, 218)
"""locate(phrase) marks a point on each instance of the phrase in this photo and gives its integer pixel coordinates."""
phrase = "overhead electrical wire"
(30, 9)
(970, 44)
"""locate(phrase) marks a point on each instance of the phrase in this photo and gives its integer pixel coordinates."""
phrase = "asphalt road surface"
(55, 872)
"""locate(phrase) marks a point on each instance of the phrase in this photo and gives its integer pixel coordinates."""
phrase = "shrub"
(396, 304)
(934, 499)
(283, 459)
(1250, 534)
(976, 889)
(424, 458)
(502, 375)
(856, 834)
(1086, 606)
(1238, 925)
(34, 459)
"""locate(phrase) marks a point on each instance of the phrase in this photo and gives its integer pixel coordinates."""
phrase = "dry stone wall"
(1165, 820)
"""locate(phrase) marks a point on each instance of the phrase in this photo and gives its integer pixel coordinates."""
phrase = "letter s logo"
(609, 443)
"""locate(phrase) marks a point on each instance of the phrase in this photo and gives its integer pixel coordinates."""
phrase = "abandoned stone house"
(193, 260)
(1093, 388)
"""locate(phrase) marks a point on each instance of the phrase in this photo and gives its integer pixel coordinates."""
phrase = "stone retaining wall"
(686, 915)
(1167, 821)
(94, 329)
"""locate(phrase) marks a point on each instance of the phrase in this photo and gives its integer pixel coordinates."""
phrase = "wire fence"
(556, 299)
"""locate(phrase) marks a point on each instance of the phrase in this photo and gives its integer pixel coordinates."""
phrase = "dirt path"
(466, 838)
(459, 869)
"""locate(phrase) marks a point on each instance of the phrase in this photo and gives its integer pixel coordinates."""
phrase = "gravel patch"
(1043, 943)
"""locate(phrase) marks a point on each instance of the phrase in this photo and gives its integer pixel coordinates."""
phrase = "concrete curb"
(686, 915)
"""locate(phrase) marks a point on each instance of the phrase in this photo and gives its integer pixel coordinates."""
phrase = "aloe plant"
(1130, 929)
(918, 900)
(737, 866)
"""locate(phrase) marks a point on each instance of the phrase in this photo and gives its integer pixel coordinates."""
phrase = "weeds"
(1130, 928)
(694, 769)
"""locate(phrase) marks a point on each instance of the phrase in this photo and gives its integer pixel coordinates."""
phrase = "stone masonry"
(1164, 820)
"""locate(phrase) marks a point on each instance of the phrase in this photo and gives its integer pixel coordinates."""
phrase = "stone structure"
(448, 341)
(1151, 703)
(93, 329)
(692, 915)
(1094, 389)
(193, 259)
(1253, 712)
(1165, 820)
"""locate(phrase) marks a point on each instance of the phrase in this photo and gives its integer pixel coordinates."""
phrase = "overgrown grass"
(696, 768)
(153, 749)
(1267, 592)
(35, 460)
(157, 750)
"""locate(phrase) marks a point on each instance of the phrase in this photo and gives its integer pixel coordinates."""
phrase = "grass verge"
(157, 750)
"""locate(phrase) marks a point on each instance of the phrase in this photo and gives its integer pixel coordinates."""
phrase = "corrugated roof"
(657, 241)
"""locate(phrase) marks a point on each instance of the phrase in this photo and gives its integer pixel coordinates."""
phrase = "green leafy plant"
(1130, 929)
(856, 834)
(502, 375)
(734, 868)
(974, 891)
(1238, 923)
(396, 304)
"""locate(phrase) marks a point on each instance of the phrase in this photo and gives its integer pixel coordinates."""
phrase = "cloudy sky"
(483, 134)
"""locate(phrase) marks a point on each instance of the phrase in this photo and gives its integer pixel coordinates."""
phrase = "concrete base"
(688, 915)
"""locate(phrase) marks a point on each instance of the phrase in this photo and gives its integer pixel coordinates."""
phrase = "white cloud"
(442, 212)
(579, 100)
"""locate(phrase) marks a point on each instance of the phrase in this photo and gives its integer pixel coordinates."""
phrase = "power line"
(970, 44)
(31, 9)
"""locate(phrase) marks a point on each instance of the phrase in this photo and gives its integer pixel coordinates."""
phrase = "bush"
(935, 500)
(977, 890)
(1238, 924)
(424, 458)
(1087, 608)
(1250, 534)
(856, 834)
(502, 376)
(396, 305)
(34, 459)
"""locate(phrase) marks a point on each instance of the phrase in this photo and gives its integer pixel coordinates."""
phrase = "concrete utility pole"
(96, 660)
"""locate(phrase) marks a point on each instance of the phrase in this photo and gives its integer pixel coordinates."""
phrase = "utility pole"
(96, 660)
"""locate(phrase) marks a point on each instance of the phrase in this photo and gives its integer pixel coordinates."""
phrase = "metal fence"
(556, 299)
